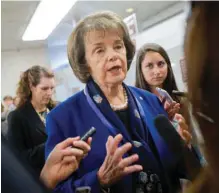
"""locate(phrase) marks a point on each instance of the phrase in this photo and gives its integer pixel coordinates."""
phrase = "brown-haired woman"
(153, 69)
(202, 59)
(26, 125)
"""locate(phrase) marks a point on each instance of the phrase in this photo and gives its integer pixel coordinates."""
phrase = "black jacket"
(26, 132)
(16, 174)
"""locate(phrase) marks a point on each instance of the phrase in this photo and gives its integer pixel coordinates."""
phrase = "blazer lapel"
(149, 114)
(34, 118)
(99, 104)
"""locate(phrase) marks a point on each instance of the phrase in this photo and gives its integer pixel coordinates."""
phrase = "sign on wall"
(131, 22)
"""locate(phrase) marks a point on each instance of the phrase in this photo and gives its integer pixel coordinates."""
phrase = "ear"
(88, 66)
(31, 87)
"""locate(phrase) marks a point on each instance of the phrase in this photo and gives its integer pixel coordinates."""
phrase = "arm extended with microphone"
(186, 159)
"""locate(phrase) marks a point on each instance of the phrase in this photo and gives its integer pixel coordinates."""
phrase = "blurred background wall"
(159, 22)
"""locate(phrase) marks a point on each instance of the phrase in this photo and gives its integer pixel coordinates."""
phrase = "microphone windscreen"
(187, 157)
(169, 134)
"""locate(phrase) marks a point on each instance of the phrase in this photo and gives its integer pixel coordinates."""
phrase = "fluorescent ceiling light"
(129, 10)
(46, 17)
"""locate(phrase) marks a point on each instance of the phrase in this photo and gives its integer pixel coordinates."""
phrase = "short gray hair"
(105, 20)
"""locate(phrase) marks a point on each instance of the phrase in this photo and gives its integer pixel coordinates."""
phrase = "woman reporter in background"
(153, 69)
(26, 125)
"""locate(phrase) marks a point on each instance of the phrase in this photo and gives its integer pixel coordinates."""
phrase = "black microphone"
(88, 134)
(179, 93)
(177, 146)
(170, 135)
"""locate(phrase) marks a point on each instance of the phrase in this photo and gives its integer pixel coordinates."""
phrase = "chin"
(46, 102)
(157, 84)
(116, 80)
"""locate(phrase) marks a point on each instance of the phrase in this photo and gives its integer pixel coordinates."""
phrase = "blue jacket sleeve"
(55, 136)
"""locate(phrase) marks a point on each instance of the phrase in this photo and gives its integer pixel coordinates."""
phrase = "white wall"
(65, 78)
(175, 55)
(170, 35)
(13, 63)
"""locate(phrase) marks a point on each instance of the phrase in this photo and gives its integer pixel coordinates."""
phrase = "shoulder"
(148, 100)
(15, 121)
(25, 108)
(67, 105)
(23, 111)
(143, 93)
(14, 114)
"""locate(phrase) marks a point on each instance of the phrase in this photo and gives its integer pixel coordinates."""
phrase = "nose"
(156, 70)
(112, 55)
(50, 92)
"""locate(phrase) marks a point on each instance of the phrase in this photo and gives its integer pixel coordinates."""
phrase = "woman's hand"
(115, 166)
(171, 108)
(183, 129)
(64, 160)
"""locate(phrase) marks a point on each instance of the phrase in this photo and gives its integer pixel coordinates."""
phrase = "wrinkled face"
(105, 55)
(154, 69)
(43, 92)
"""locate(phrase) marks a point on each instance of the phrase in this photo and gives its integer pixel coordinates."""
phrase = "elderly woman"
(127, 154)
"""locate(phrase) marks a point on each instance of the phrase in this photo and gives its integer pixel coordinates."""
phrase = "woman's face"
(105, 55)
(43, 92)
(154, 69)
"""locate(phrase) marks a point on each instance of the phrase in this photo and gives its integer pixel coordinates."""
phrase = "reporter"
(26, 124)
(17, 176)
(153, 69)
(64, 160)
(202, 59)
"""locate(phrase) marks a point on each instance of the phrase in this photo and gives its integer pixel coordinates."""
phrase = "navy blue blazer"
(75, 116)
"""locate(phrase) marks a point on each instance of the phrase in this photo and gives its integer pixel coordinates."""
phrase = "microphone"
(170, 135)
(179, 93)
(177, 146)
